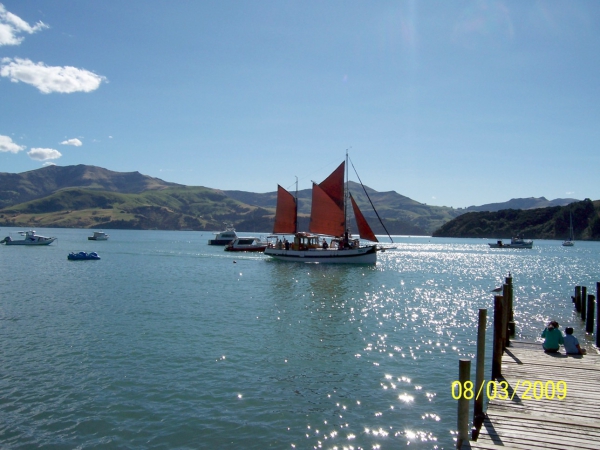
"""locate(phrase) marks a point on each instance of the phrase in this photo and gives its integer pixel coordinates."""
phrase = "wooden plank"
(544, 423)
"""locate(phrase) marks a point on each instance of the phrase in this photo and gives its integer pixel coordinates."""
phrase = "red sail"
(333, 185)
(326, 217)
(286, 213)
(364, 230)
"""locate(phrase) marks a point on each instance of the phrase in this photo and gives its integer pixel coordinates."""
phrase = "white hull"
(568, 244)
(24, 242)
(362, 255)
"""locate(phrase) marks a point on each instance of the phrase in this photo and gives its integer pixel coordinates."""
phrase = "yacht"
(224, 237)
(29, 238)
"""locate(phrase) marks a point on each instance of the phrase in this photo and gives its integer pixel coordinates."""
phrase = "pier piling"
(478, 415)
(498, 344)
(583, 301)
(464, 375)
(589, 322)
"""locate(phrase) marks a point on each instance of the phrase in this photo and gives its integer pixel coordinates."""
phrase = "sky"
(450, 103)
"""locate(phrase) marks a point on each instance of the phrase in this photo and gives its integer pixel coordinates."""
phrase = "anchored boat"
(82, 256)
(30, 238)
(98, 236)
(516, 242)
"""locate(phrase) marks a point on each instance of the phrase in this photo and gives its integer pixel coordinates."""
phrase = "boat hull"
(511, 245)
(568, 244)
(92, 238)
(83, 256)
(361, 255)
(219, 241)
(246, 249)
(23, 242)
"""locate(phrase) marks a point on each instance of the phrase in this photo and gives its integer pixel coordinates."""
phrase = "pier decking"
(522, 423)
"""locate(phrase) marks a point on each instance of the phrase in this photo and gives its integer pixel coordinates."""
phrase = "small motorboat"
(82, 256)
(30, 238)
(98, 236)
(246, 244)
(224, 237)
(516, 242)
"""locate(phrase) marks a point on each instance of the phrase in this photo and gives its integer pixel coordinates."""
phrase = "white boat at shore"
(516, 242)
(98, 236)
(30, 238)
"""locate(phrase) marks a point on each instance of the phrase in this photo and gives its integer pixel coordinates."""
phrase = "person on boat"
(286, 243)
(279, 244)
(325, 245)
(572, 344)
(553, 338)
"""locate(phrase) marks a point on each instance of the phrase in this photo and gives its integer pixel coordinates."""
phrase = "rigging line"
(370, 201)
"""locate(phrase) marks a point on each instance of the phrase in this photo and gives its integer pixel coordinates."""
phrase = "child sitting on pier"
(553, 338)
(572, 344)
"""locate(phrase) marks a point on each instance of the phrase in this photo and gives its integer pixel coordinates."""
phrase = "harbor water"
(168, 343)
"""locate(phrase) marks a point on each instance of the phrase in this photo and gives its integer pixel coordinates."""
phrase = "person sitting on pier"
(553, 338)
(572, 344)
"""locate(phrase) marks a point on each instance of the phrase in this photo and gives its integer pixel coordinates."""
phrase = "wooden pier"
(543, 422)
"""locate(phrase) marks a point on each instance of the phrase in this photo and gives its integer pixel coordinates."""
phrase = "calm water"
(170, 343)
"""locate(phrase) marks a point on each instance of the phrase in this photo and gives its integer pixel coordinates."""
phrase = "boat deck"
(529, 423)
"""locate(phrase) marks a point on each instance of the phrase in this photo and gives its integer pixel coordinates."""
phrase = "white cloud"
(12, 26)
(7, 145)
(43, 154)
(75, 142)
(49, 79)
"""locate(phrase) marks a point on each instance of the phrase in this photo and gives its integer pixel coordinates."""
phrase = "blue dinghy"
(82, 256)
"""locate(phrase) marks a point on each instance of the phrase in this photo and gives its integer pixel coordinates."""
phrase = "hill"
(540, 223)
(92, 197)
(18, 188)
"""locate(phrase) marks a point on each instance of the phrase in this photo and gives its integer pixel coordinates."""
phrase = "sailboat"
(569, 242)
(327, 220)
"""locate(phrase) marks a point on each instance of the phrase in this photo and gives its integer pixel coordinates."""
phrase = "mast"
(296, 215)
(346, 192)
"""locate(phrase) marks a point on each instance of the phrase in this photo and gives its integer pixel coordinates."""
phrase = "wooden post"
(498, 345)
(578, 298)
(478, 415)
(589, 322)
(464, 375)
(505, 339)
(598, 315)
(583, 301)
(511, 314)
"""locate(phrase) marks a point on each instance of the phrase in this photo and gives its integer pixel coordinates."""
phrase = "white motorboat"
(246, 244)
(98, 236)
(30, 238)
(516, 242)
(224, 237)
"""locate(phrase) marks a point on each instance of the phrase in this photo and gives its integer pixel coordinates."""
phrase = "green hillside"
(542, 223)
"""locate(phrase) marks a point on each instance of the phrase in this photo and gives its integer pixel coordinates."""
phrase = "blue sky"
(451, 103)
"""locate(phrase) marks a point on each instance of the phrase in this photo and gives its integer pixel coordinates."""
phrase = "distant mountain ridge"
(523, 203)
(93, 197)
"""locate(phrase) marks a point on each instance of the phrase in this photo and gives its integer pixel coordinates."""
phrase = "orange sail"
(333, 186)
(286, 213)
(326, 217)
(364, 230)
